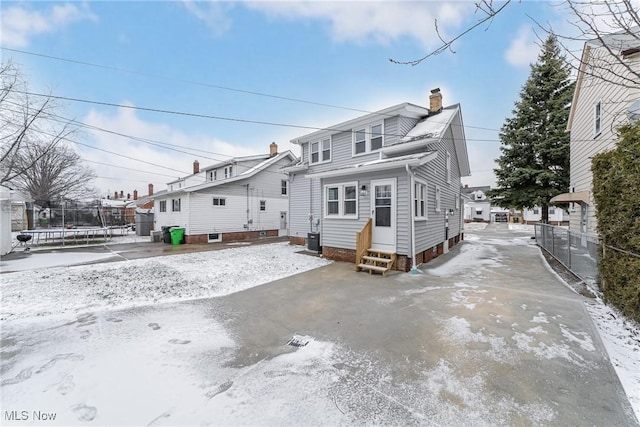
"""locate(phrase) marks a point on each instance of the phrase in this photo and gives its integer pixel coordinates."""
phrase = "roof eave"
(375, 167)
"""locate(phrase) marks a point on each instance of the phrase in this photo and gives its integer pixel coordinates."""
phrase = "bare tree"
(23, 121)
(487, 12)
(51, 173)
(610, 31)
(611, 27)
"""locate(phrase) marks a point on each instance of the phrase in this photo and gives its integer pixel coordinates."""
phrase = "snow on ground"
(521, 227)
(474, 226)
(145, 281)
(57, 259)
(621, 338)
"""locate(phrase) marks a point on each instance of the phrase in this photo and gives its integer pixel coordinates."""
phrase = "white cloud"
(139, 174)
(21, 22)
(524, 48)
(375, 21)
(213, 14)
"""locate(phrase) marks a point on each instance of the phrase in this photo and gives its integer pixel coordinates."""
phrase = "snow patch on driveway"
(146, 281)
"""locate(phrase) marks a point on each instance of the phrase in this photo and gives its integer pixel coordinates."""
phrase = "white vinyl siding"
(614, 100)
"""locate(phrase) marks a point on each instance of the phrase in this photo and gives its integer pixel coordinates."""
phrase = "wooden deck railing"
(363, 242)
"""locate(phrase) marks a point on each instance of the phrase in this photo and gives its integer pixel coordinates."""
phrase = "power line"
(192, 82)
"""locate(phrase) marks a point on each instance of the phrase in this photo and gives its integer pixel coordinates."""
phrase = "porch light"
(363, 190)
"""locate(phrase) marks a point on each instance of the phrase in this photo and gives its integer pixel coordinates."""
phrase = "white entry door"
(383, 212)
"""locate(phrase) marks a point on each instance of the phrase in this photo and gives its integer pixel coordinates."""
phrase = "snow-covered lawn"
(47, 291)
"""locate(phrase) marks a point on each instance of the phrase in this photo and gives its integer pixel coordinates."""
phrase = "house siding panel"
(615, 99)
(431, 232)
(299, 206)
(341, 233)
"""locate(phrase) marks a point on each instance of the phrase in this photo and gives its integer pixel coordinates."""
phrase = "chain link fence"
(576, 251)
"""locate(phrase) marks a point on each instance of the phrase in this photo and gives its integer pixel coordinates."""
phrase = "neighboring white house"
(602, 101)
(244, 197)
(393, 176)
(557, 215)
(477, 206)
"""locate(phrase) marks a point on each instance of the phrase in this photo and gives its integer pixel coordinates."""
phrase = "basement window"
(214, 237)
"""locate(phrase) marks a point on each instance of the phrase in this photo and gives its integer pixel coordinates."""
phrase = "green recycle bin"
(177, 234)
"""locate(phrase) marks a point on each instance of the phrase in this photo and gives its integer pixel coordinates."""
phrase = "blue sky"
(177, 55)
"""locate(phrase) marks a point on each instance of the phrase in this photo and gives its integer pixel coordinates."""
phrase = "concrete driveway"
(484, 335)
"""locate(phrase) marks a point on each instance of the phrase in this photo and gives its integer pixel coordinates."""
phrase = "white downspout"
(412, 233)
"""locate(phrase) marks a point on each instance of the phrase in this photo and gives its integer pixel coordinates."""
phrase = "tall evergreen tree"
(534, 164)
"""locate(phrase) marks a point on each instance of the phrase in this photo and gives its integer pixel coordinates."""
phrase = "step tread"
(373, 267)
(377, 259)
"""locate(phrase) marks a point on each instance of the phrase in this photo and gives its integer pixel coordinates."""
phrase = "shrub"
(616, 191)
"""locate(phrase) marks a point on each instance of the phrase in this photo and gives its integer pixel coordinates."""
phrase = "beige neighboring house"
(605, 97)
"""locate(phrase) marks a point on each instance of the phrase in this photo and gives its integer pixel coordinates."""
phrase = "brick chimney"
(135, 194)
(115, 195)
(273, 149)
(435, 101)
(466, 186)
(150, 189)
(121, 194)
(196, 167)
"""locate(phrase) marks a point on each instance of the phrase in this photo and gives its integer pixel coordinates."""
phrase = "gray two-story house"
(389, 179)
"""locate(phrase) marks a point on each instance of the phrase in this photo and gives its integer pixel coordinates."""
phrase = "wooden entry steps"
(377, 260)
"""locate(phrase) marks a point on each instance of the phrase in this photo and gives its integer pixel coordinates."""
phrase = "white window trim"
(448, 167)
(173, 205)
(262, 203)
(597, 118)
(319, 142)
(426, 201)
(160, 203)
(341, 215)
(286, 187)
(438, 199)
(367, 139)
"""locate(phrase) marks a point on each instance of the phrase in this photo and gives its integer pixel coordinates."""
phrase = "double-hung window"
(341, 200)
(284, 187)
(448, 165)
(320, 151)
(163, 205)
(368, 139)
(420, 200)
(175, 205)
(376, 137)
(326, 150)
(438, 202)
(360, 141)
